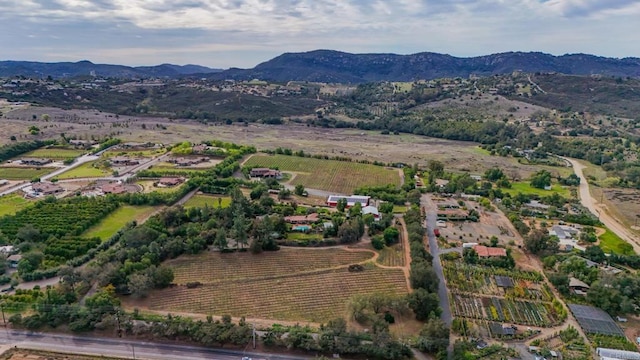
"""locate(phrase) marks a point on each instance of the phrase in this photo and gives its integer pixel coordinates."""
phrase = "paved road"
(124, 348)
(430, 224)
(596, 209)
(79, 161)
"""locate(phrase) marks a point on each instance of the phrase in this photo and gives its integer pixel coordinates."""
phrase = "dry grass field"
(357, 144)
(27, 354)
(330, 175)
(292, 284)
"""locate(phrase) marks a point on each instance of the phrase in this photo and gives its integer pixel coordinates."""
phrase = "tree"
(391, 235)
(221, 240)
(422, 276)
(424, 304)
(30, 262)
(299, 190)
(539, 240)
(239, 228)
(140, 285)
(434, 336)
(377, 242)
(541, 179)
(436, 167)
(341, 204)
(494, 174)
(386, 207)
(355, 210)
(595, 253)
(162, 277)
(28, 233)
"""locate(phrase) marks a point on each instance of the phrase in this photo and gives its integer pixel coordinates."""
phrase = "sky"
(244, 33)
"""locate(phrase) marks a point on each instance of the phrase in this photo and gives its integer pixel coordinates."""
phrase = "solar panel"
(595, 321)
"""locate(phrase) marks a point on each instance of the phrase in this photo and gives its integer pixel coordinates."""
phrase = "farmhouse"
(302, 219)
(578, 287)
(486, 252)
(169, 181)
(265, 173)
(184, 161)
(563, 232)
(371, 210)
(114, 188)
(332, 200)
(46, 188)
(123, 161)
(35, 161)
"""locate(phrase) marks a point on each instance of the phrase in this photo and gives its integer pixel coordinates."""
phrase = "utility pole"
(133, 350)
(4, 321)
(254, 336)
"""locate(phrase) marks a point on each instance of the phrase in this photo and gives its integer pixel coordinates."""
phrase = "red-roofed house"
(485, 252)
(301, 219)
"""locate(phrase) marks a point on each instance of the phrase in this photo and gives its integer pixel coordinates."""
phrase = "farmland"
(329, 175)
(391, 255)
(54, 153)
(310, 285)
(200, 200)
(10, 204)
(117, 219)
(86, 170)
(476, 294)
(60, 218)
(504, 310)
(23, 173)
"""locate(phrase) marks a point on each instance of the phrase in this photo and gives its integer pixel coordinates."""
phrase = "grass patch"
(54, 153)
(108, 226)
(23, 173)
(400, 209)
(147, 187)
(525, 188)
(300, 236)
(610, 242)
(200, 200)
(12, 203)
(329, 175)
(86, 170)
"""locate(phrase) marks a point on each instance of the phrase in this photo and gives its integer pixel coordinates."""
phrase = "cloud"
(245, 32)
(583, 8)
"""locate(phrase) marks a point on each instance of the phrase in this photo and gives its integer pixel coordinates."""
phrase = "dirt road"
(596, 208)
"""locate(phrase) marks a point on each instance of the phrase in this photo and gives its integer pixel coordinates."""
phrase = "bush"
(378, 242)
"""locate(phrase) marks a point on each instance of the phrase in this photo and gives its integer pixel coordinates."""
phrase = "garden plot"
(464, 278)
(504, 310)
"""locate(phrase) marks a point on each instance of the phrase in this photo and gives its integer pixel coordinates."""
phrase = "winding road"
(597, 209)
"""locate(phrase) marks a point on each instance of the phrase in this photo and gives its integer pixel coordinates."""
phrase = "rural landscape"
(485, 216)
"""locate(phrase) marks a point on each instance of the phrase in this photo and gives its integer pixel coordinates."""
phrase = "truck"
(436, 232)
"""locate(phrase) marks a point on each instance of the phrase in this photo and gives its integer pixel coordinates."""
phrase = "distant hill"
(341, 67)
(84, 68)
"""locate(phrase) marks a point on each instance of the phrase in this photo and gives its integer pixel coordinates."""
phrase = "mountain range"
(86, 68)
(342, 67)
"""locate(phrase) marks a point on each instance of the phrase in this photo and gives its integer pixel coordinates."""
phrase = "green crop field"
(117, 219)
(329, 175)
(54, 153)
(85, 170)
(23, 173)
(610, 242)
(10, 204)
(200, 200)
(290, 284)
(525, 188)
